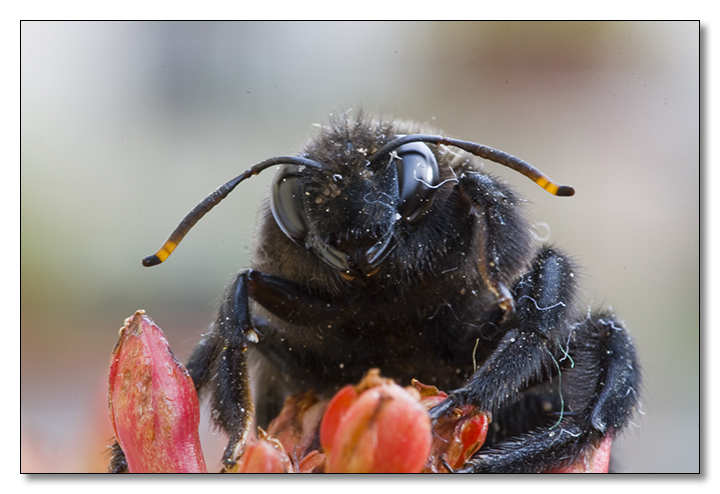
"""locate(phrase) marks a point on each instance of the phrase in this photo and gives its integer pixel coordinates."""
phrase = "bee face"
(353, 211)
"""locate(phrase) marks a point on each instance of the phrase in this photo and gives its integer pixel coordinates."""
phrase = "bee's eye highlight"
(287, 205)
(418, 177)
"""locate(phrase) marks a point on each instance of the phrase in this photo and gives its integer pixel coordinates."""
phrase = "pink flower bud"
(153, 405)
(384, 429)
(264, 455)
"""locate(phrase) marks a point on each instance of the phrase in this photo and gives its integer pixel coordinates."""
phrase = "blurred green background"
(126, 126)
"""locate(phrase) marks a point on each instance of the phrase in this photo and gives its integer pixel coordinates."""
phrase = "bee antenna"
(213, 199)
(485, 152)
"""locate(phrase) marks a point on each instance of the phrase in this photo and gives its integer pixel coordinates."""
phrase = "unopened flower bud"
(153, 404)
(383, 429)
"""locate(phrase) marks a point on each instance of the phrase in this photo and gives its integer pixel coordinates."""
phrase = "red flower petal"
(334, 413)
(153, 405)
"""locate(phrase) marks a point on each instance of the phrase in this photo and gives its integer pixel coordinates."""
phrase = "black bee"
(381, 246)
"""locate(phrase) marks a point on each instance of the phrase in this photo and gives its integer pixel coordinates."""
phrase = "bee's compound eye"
(418, 177)
(287, 205)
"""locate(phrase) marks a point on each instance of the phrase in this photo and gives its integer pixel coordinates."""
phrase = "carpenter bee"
(382, 245)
